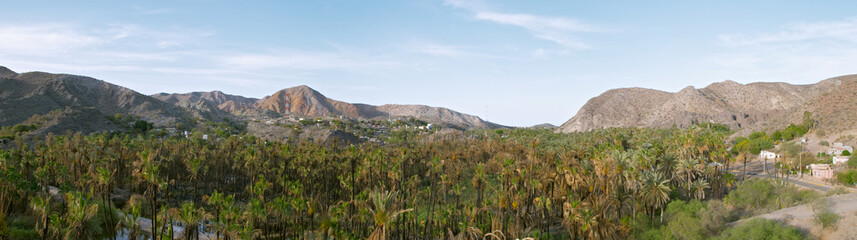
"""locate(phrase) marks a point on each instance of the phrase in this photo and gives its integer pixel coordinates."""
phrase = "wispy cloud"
(451, 51)
(59, 38)
(797, 52)
(305, 61)
(158, 11)
(844, 30)
(44, 39)
(559, 30)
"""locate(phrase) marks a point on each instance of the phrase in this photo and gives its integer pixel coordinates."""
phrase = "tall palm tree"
(80, 210)
(131, 222)
(190, 216)
(384, 211)
(148, 174)
(103, 181)
(655, 191)
(41, 206)
(697, 188)
(686, 170)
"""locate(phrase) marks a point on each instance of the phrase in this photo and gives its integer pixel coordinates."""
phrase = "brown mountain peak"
(7, 73)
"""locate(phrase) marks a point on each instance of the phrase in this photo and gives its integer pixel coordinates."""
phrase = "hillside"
(755, 106)
(222, 101)
(80, 102)
(303, 101)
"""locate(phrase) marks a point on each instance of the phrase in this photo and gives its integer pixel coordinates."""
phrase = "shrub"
(827, 219)
(852, 161)
(22, 234)
(683, 223)
(143, 126)
(823, 215)
(714, 217)
(824, 143)
(762, 195)
(684, 226)
(837, 191)
(846, 153)
(752, 194)
(758, 229)
(847, 178)
(757, 135)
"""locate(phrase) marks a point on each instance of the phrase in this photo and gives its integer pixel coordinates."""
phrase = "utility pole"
(800, 158)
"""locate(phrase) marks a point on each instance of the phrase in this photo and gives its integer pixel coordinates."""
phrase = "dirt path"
(803, 218)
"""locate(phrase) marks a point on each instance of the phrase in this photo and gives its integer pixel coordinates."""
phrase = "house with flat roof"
(838, 148)
(822, 171)
(840, 159)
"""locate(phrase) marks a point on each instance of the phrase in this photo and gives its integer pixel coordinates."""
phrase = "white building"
(838, 148)
(768, 155)
(840, 159)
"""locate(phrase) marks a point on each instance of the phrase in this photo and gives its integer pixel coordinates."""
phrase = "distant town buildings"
(768, 155)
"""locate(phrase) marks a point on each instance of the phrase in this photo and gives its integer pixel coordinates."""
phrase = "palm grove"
(503, 184)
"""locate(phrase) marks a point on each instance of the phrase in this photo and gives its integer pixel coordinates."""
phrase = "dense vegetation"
(607, 184)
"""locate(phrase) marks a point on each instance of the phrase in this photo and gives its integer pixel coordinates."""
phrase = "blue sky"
(517, 63)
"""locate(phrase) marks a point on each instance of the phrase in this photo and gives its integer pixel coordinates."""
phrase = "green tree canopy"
(759, 229)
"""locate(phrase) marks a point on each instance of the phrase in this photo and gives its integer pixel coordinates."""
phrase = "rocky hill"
(755, 106)
(75, 101)
(222, 101)
(304, 101)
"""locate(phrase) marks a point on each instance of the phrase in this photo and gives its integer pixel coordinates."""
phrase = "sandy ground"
(803, 218)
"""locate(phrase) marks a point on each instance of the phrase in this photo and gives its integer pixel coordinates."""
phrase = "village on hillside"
(819, 160)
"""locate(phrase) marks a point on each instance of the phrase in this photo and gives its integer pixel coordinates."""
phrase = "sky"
(517, 63)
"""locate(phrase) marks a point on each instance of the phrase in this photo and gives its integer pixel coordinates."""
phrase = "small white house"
(205, 137)
(840, 159)
(838, 148)
(768, 155)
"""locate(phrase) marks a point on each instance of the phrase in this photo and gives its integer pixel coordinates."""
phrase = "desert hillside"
(755, 106)
(75, 101)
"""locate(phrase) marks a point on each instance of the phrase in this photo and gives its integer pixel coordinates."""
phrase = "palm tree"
(698, 187)
(131, 222)
(41, 206)
(686, 169)
(148, 174)
(195, 166)
(655, 192)
(190, 217)
(80, 210)
(103, 179)
(215, 201)
(384, 211)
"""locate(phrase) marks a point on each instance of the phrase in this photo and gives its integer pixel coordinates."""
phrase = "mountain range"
(79, 103)
(303, 101)
(745, 107)
(65, 102)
